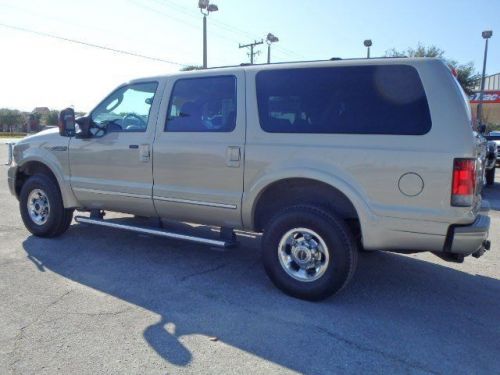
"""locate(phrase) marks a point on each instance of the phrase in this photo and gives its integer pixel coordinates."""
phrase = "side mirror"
(67, 122)
(481, 129)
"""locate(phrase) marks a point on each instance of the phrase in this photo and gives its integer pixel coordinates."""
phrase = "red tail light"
(464, 182)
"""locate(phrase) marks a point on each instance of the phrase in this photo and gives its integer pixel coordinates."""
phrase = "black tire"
(68, 218)
(58, 219)
(339, 241)
(490, 176)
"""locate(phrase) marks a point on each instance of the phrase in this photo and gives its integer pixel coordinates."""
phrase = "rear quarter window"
(387, 99)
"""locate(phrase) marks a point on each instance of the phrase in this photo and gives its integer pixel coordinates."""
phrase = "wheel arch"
(318, 190)
(31, 166)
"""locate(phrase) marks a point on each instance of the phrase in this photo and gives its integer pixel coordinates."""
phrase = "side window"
(387, 99)
(126, 109)
(205, 104)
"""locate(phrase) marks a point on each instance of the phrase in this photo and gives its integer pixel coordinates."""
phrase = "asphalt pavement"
(97, 300)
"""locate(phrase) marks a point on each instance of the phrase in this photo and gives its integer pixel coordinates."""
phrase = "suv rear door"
(198, 152)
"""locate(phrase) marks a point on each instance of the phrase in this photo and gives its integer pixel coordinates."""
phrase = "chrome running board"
(154, 232)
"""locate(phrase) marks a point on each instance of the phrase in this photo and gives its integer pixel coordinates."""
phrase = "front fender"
(55, 158)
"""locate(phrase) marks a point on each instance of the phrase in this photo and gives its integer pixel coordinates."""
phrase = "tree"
(10, 118)
(191, 67)
(51, 117)
(466, 73)
(34, 121)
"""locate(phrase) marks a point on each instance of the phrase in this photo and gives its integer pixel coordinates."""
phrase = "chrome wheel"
(38, 206)
(303, 254)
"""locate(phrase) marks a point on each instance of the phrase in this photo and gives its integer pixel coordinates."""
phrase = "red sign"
(488, 97)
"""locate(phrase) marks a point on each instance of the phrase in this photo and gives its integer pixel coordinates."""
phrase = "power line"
(88, 44)
(221, 25)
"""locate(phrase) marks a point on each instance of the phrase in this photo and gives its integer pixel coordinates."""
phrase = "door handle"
(233, 156)
(133, 146)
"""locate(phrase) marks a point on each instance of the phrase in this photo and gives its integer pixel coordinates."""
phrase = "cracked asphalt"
(104, 301)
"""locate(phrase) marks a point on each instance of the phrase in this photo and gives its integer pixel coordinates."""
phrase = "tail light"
(464, 182)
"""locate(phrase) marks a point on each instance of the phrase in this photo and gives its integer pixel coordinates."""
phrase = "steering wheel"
(133, 115)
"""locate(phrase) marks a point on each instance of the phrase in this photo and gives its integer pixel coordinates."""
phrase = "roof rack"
(307, 61)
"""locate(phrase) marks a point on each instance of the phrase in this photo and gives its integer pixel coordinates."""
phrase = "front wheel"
(309, 253)
(490, 176)
(42, 208)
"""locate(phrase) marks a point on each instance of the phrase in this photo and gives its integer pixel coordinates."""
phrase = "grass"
(12, 135)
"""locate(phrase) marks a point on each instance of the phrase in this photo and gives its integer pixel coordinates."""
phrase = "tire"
(490, 176)
(68, 218)
(336, 265)
(40, 221)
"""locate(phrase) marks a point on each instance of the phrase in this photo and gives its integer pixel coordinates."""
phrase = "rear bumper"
(468, 239)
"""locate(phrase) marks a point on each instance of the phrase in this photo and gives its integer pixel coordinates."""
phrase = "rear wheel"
(490, 176)
(42, 208)
(309, 253)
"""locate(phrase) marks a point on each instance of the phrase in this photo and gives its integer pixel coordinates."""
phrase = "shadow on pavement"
(400, 314)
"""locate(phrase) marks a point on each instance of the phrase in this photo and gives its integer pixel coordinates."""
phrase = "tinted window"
(386, 99)
(126, 109)
(203, 105)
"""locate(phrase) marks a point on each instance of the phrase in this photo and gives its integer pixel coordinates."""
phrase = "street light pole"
(205, 9)
(270, 39)
(204, 41)
(487, 34)
(367, 43)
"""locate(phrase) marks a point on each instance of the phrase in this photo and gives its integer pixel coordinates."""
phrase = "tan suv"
(324, 158)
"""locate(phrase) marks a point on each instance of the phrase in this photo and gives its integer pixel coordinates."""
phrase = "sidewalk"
(9, 140)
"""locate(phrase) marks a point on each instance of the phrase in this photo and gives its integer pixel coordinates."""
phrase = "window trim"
(342, 133)
(171, 97)
(121, 87)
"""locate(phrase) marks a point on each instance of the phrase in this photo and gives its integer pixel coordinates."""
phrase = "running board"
(154, 232)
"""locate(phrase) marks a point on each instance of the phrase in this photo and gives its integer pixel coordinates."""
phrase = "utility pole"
(251, 45)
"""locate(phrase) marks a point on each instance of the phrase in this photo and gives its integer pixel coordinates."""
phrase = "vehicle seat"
(189, 119)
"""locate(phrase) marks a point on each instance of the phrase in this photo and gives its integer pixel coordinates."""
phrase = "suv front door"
(198, 152)
(113, 169)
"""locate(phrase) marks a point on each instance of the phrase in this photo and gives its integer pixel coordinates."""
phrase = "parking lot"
(105, 301)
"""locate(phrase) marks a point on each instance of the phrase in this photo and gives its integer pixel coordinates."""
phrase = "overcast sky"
(40, 71)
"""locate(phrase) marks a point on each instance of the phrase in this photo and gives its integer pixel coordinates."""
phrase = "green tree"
(51, 118)
(466, 73)
(10, 118)
(191, 67)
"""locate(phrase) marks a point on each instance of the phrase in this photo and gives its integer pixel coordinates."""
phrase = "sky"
(38, 71)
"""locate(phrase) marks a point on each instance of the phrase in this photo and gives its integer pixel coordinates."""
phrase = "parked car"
(494, 136)
(491, 161)
(323, 158)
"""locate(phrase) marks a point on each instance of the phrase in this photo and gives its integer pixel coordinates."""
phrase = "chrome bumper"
(10, 151)
(11, 179)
